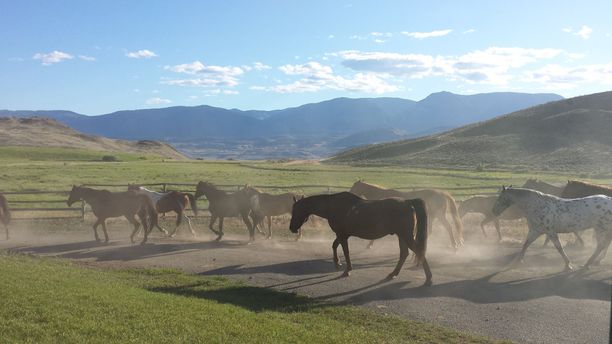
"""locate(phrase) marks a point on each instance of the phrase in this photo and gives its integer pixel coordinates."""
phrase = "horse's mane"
(523, 192)
(588, 184)
(372, 184)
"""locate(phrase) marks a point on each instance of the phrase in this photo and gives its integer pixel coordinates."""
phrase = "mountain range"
(567, 135)
(308, 131)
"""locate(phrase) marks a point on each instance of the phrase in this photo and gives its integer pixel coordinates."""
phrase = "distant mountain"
(323, 124)
(45, 132)
(566, 135)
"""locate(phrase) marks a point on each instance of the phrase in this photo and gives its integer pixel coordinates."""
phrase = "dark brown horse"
(437, 201)
(265, 205)
(171, 201)
(578, 189)
(106, 204)
(5, 214)
(484, 205)
(222, 204)
(350, 215)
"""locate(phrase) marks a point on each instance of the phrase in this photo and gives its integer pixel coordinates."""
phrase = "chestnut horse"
(5, 214)
(350, 215)
(106, 204)
(222, 204)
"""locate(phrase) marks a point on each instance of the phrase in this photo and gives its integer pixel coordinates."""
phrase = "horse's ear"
(294, 199)
(503, 188)
(303, 196)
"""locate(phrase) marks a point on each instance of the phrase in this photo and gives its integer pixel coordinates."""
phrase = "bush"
(109, 158)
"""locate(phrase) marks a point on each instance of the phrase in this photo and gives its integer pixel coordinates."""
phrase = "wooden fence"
(41, 209)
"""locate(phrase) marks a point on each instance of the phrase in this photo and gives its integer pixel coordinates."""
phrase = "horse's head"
(573, 190)
(503, 201)
(358, 188)
(134, 187)
(250, 190)
(202, 188)
(76, 194)
(299, 214)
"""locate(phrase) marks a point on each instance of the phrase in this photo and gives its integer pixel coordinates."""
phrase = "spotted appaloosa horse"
(550, 215)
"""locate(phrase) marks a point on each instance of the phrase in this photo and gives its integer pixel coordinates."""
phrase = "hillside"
(45, 132)
(567, 135)
(308, 131)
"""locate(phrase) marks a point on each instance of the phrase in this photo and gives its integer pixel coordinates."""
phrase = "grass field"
(49, 301)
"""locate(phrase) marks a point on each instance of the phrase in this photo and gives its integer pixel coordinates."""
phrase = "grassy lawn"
(44, 300)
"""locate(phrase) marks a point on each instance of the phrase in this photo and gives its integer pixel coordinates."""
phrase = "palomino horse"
(265, 205)
(350, 215)
(106, 204)
(175, 201)
(437, 202)
(555, 190)
(222, 204)
(5, 214)
(484, 205)
(550, 215)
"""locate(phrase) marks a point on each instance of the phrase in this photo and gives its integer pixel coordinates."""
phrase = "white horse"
(550, 215)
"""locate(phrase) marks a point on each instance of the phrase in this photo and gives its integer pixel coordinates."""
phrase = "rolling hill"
(307, 131)
(45, 132)
(566, 135)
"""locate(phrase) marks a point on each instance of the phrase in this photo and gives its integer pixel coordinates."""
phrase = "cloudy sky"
(99, 57)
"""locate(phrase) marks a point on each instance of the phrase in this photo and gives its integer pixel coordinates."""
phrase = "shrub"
(109, 158)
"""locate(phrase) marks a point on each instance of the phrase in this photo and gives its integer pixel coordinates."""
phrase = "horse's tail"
(255, 204)
(6, 211)
(148, 206)
(193, 203)
(455, 214)
(420, 238)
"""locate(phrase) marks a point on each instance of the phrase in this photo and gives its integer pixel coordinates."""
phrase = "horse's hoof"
(427, 283)
(346, 274)
(568, 268)
(390, 277)
(219, 238)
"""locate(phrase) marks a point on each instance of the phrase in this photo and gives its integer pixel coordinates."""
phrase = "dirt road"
(472, 289)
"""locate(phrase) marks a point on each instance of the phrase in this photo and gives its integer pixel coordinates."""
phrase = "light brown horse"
(265, 205)
(106, 204)
(5, 214)
(437, 201)
(350, 215)
(171, 201)
(222, 204)
(484, 205)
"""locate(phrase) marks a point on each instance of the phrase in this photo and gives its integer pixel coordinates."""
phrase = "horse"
(106, 204)
(437, 202)
(555, 190)
(577, 188)
(484, 205)
(550, 215)
(265, 205)
(350, 215)
(5, 214)
(175, 201)
(542, 186)
(223, 204)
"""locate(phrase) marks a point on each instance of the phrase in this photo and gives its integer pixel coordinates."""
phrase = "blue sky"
(98, 57)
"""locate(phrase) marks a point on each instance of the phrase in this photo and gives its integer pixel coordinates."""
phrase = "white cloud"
(316, 77)
(469, 31)
(141, 54)
(375, 36)
(87, 58)
(260, 66)
(559, 77)
(584, 32)
(52, 57)
(158, 101)
(423, 35)
(330, 36)
(490, 66)
(210, 76)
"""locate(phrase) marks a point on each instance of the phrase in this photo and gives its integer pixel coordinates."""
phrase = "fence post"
(328, 190)
(164, 187)
(82, 211)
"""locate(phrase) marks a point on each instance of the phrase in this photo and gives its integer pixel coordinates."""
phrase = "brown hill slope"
(568, 135)
(45, 132)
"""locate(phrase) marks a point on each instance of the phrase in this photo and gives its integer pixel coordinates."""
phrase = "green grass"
(50, 301)
(12, 153)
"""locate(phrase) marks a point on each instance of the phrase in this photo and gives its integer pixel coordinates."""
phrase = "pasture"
(465, 295)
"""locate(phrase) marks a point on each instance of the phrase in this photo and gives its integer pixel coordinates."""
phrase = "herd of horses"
(367, 211)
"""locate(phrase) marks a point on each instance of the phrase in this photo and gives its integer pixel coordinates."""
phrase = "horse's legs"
(546, 241)
(95, 228)
(335, 250)
(603, 241)
(104, 229)
(347, 257)
(554, 237)
(213, 218)
(220, 233)
(579, 240)
(299, 235)
(6, 230)
(424, 262)
(482, 228)
(179, 219)
(403, 245)
(498, 229)
(247, 222)
(136, 225)
(531, 237)
(370, 244)
(269, 227)
(190, 226)
(449, 229)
